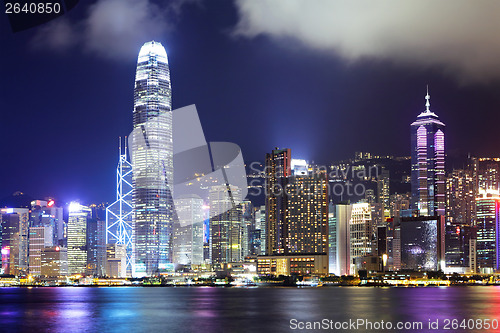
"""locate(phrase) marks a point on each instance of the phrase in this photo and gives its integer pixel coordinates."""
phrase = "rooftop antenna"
(428, 98)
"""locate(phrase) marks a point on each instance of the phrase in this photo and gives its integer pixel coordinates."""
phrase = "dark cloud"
(113, 28)
(459, 36)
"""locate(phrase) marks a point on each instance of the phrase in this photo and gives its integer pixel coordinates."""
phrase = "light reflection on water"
(210, 310)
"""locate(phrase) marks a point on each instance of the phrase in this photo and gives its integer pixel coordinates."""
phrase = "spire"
(427, 100)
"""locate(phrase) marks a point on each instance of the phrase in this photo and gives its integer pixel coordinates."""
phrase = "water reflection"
(211, 310)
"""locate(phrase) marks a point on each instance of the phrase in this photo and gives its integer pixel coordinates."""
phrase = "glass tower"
(152, 162)
(428, 183)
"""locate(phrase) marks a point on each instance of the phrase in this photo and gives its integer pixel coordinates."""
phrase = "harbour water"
(275, 309)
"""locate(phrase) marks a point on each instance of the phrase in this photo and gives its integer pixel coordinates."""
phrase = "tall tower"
(278, 168)
(119, 213)
(428, 183)
(152, 162)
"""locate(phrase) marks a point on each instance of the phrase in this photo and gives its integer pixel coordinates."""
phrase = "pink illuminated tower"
(427, 163)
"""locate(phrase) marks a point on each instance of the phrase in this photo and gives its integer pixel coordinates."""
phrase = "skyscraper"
(77, 238)
(307, 214)
(427, 163)
(152, 162)
(277, 170)
(488, 226)
(225, 228)
(188, 231)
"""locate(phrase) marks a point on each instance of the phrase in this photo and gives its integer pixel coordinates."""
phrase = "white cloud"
(461, 36)
(113, 28)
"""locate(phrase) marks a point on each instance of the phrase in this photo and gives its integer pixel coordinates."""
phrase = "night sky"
(322, 78)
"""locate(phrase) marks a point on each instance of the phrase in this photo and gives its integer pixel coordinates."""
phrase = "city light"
(74, 207)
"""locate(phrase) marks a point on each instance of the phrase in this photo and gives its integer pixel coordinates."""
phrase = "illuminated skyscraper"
(427, 163)
(307, 214)
(277, 170)
(225, 228)
(14, 240)
(488, 227)
(188, 231)
(77, 238)
(152, 162)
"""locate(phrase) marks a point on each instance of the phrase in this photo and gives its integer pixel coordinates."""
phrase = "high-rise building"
(278, 168)
(188, 231)
(488, 230)
(306, 215)
(225, 228)
(339, 239)
(46, 213)
(260, 231)
(427, 163)
(152, 162)
(96, 245)
(77, 238)
(486, 172)
(247, 219)
(39, 238)
(14, 240)
(460, 216)
(420, 241)
(383, 188)
(119, 213)
(116, 260)
(361, 232)
(54, 261)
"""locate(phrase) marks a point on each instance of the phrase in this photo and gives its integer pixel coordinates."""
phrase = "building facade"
(277, 169)
(152, 162)
(428, 181)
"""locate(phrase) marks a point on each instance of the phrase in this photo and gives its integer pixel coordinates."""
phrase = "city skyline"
(72, 138)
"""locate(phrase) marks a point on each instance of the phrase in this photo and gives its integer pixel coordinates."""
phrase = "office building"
(54, 261)
(277, 170)
(188, 231)
(39, 238)
(306, 216)
(14, 240)
(488, 230)
(152, 162)
(77, 238)
(225, 227)
(421, 243)
(428, 163)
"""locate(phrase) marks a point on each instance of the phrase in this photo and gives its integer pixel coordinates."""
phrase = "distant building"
(116, 260)
(96, 245)
(54, 261)
(306, 216)
(460, 216)
(383, 188)
(299, 264)
(45, 213)
(361, 233)
(488, 230)
(259, 240)
(14, 240)
(77, 238)
(225, 228)
(427, 163)
(278, 168)
(188, 231)
(339, 236)
(421, 243)
(39, 238)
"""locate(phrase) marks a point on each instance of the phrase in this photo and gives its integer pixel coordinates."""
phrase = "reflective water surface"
(207, 310)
